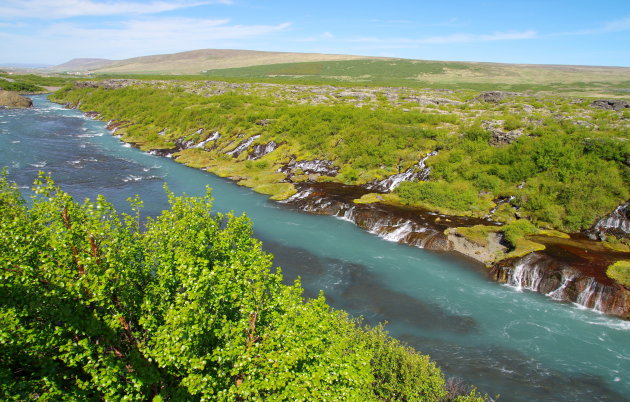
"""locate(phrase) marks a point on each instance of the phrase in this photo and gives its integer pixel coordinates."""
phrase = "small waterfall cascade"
(213, 137)
(540, 273)
(242, 146)
(594, 296)
(568, 278)
(526, 275)
(619, 220)
(260, 150)
(500, 202)
(419, 172)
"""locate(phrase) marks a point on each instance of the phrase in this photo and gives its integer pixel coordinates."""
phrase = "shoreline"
(557, 270)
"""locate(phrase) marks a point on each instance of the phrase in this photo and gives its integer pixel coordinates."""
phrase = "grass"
(558, 174)
(477, 234)
(436, 74)
(620, 271)
(570, 80)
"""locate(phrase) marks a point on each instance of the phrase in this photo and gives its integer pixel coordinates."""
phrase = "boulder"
(494, 96)
(499, 137)
(13, 100)
(610, 104)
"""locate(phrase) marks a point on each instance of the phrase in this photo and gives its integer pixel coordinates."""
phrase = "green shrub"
(96, 306)
(516, 230)
(620, 271)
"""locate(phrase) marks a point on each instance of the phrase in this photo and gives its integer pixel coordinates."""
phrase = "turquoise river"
(521, 345)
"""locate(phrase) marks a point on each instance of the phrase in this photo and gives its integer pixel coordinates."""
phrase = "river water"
(520, 345)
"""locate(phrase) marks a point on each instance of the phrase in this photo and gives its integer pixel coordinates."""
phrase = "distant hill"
(315, 68)
(195, 61)
(81, 65)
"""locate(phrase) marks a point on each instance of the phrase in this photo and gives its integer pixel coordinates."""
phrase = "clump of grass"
(369, 198)
(478, 234)
(620, 271)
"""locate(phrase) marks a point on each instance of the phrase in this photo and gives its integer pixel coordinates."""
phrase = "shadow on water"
(351, 287)
(475, 349)
(522, 378)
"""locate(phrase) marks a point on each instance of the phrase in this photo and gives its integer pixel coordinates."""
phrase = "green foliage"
(620, 271)
(561, 174)
(92, 307)
(458, 196)
(19, 86)
(516, 230)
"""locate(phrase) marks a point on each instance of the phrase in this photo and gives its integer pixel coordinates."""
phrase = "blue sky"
(538, 32)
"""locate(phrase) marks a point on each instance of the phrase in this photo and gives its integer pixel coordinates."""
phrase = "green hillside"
(437, 74)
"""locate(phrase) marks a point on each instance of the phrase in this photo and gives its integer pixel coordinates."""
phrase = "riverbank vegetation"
(185, 306)
(620, 271)
(31, 83)
(557, 161)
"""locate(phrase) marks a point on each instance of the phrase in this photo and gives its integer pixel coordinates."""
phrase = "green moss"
(617, 244)
(553, 233)
(620, 271)
(522, 247)
(477, 234)
(369, 198)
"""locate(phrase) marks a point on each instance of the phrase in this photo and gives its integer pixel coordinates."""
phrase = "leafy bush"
(456, 196)
(620, 271)
(92, 307)
(516, 230)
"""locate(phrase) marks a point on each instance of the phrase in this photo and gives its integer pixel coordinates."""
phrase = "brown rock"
(13, 100)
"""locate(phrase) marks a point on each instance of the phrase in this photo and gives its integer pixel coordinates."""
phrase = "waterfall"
(419, 172)
(242, 146)
(348, 215)
(498, 204)
(567, 279)
(593, 296)
(618, 219)
(526, 276)
(399, 233)
(213, 137)
(298, 196)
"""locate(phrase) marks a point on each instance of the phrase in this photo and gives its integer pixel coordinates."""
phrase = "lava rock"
(610, 104)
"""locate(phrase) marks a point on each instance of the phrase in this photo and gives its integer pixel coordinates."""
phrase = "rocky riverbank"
(568, 270)
(571, 269)
(13, 100)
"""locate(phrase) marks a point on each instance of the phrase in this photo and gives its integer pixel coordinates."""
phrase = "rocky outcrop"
(260, 150)
(548, 274)
(616, 223)
(610, 104)
(13, 100)
(107, 84)
(420, 172)
(494, 96)
(499, 137)
(240, 148)
(424, 100)
(311, 167)
(564, 273)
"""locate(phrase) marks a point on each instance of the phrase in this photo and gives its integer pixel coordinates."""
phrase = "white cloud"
(57, 9)
(326, 36)
(63, 41)
(181, 30)
(617, 25)
(450, 39)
